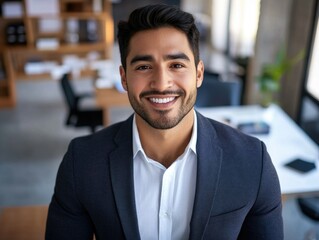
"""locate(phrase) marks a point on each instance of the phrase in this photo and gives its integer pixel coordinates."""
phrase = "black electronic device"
(15, 34)
(301, 165)
(258, 127)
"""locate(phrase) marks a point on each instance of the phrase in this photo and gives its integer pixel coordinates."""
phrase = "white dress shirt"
(164, 197)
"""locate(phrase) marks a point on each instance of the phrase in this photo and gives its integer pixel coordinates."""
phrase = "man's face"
(161, 77)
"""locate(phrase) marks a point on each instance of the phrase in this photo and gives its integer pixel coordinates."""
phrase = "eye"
(177, 65)
(143, 67)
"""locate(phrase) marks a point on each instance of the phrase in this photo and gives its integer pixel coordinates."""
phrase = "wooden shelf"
(6, 102)
(15, 56)
(82, 15)
(12, 18)
(63, 48)
(3, 84)
(21, 76)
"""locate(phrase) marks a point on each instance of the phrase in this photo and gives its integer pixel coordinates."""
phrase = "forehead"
(161, 40)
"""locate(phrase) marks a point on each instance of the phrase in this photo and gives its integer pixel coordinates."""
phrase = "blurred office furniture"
(308, 115)
(15, 33)
(78, 116)
(310, 207)
(23, 222)
(39, 31)
(218, 92)
(109, 97)
(219, 63)
(285, 142)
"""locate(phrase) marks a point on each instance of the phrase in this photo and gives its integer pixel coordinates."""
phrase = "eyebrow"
(138, 58)
(149, 58)
(177, 56)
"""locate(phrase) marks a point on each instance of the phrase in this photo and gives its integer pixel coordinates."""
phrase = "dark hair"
(156, 16)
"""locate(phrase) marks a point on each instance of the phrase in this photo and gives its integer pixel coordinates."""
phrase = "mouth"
(162, 103)
(162, 100)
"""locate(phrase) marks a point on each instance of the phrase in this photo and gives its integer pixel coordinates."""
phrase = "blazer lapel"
(121, 171)
(208, 167)
(209, 160)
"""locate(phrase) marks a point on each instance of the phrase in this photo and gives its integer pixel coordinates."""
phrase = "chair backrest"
(216, 92)
(68, 91)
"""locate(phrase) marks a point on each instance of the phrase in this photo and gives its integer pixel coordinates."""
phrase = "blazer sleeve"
(66, 217)
(264, 220)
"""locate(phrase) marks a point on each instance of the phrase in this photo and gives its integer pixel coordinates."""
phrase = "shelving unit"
(76, 27)
(7, 85)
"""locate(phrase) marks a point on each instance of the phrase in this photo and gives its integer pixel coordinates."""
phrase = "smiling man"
(167, 172)
(161, 79)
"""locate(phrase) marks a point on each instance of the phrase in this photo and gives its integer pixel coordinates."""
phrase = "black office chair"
(217, 92)
(78, 117)
(309, 206)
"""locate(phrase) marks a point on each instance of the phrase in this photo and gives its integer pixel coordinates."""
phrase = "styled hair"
(154, 17)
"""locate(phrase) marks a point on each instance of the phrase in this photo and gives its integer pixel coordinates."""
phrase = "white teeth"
(162, 100)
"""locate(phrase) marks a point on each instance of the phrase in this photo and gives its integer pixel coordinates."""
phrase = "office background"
(34, 137)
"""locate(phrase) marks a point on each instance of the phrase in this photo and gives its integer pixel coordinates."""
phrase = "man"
(167, 172)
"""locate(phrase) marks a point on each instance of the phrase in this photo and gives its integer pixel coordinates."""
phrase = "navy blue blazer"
(237, 188)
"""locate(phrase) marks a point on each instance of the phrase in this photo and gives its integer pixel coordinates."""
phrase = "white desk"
(285, 142)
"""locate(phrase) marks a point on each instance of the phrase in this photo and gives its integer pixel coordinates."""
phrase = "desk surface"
(285, 142)
(107, 98)
(110, 97)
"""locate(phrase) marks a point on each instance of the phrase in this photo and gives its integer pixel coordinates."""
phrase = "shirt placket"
(166, 204)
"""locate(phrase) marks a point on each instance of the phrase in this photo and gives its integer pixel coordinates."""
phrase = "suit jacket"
(237, 188)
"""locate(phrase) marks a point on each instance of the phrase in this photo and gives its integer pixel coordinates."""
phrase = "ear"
(123, 77)
(200, 73)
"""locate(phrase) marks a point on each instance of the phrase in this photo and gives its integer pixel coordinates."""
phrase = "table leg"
(106, 116)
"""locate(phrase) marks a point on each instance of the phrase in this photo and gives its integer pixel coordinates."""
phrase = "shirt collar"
(137, 146)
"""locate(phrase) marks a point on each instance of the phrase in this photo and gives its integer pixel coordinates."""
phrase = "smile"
(162, 100)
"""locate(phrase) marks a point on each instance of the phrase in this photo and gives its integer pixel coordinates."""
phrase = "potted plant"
(272, 73)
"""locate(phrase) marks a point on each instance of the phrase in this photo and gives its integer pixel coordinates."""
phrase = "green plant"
(271, 74)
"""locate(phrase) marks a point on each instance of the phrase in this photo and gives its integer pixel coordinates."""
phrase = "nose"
(162, 80)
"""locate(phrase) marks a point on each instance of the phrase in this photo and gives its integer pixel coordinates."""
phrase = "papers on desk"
(39, 67)
(104, 83)
(42, 7)
(107, 76)
(12, 9)
(109, 83)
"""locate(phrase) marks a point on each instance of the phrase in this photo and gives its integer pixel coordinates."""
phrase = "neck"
(165, 146)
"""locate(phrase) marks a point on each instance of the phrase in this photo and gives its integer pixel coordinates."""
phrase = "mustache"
(168, 92)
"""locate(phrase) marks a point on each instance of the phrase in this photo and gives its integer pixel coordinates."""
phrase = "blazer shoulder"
(105, 138)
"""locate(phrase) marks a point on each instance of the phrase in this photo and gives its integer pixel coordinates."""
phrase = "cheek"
(135, 86)
(187, 80)
(138, 82)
